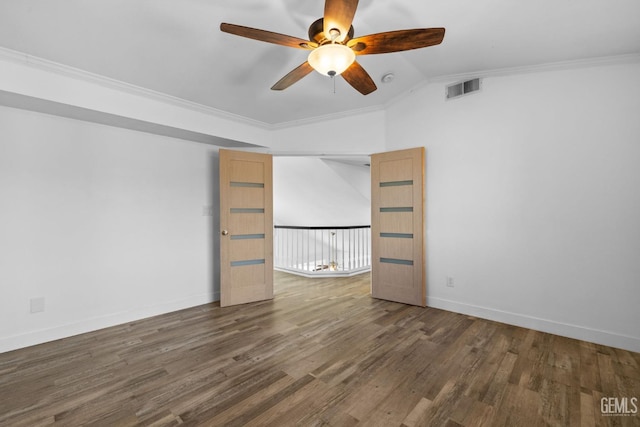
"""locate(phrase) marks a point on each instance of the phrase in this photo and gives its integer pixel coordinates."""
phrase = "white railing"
(322, 251)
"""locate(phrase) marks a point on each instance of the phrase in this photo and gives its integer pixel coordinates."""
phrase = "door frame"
(420, 232)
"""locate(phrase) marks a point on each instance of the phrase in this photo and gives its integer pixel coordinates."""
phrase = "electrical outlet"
(37, 305)
(450, 281)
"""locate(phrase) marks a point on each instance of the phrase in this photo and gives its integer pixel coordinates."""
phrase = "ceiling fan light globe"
(331, 59)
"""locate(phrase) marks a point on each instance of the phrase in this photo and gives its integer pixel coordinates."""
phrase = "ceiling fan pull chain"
(332, 74)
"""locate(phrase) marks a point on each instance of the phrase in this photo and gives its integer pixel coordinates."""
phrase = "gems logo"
(614, 406)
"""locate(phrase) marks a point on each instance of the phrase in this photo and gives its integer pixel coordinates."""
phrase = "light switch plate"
(37, 305)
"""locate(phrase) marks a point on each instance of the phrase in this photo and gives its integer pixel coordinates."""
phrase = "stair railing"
(322, 251)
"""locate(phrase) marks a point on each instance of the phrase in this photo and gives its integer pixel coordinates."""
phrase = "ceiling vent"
(462, 88)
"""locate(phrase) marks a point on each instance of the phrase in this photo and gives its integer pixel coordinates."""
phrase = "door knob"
(224, 232)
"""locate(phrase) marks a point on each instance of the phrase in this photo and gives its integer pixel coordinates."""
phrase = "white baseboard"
(95, 323)
(324, 273)
(564, 329)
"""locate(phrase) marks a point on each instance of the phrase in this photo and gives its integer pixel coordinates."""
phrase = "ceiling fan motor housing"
(316, 33)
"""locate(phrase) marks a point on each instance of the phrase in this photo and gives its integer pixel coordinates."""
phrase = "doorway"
(248, 195)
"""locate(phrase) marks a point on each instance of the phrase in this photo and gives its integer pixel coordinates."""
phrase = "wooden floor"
(322, 353)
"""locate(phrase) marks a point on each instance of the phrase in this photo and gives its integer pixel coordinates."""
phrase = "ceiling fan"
(333, 49)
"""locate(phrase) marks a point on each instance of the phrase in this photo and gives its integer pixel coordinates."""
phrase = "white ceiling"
(176, 47)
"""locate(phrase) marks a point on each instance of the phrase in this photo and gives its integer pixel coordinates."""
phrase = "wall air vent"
(462, 88)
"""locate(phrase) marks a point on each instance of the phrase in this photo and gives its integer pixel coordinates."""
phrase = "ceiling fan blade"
(339, 14)
(357, 77)
(396, 41)
(291, 78)
(267, 36)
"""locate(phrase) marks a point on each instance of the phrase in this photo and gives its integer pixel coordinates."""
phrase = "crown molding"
(46, 65)
(320, 154)
(10, 55)
(540, 68)
(328, 117)
(528, 69)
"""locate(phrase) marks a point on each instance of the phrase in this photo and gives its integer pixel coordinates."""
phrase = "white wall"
(348, 134)
(533, 199)
(30, 76)
(106, 224)
(310, 191)
(533, 204)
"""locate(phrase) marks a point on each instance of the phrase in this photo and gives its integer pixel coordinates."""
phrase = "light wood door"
(397, 226)
(246, 227)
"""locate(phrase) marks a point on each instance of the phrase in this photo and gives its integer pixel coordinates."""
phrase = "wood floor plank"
(587, 417)
(293, 408)
(323, 352)
(417, 415)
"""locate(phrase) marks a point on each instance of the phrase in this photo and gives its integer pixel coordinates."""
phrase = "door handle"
(224, 232)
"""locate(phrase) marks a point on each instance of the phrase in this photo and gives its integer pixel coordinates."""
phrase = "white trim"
(100, 322)
(324, 274)
(46, 65)
(544, 325)
(527, 69)
(328, 117)
(55, 67)
(68, 71)
(540, 68)
(327, 155)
